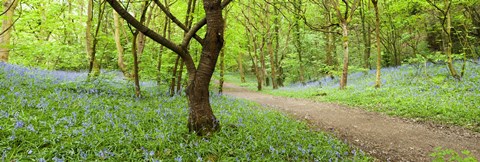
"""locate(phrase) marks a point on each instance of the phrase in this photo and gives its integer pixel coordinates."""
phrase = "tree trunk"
(271, 38)
(240, 68)
(118, 43)
(174, 75)
(343, 81)
(9, 9)
(201, 119)
(222, 61)
(298, 44)
(135, 65)
(379, 51)
(222, 71)
(179, 77)
(94, 68)
(448, 35)
(366, 37)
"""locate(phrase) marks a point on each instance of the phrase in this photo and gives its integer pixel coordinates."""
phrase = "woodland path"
(383, 137)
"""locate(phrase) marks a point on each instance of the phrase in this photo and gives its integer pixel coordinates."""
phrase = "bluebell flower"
(30, 127)
(19, 124)
(178, 159)
(55, 159)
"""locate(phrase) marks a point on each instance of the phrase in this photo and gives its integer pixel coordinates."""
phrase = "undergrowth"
(58, 116)
(420, 92)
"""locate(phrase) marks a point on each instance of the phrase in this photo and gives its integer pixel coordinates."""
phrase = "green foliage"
(451, 155)
(55, 115)
(404, 92)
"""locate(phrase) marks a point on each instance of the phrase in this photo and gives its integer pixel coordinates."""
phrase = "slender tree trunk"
(343, 81)
(276, 39)
(262, 62)
(448, 35)
(240, 67)
(365, 36)
(379, 51)
(222, 71)
(94, 68)
(271, 39)
(166, 27)
(174, 75)
(7, 24)
(222, 61)
(179, 76)
(135, 65)
(118, 43)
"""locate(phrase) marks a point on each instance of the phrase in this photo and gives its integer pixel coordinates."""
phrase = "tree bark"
(201, 118)
(343, 81)
(94, 68)
(118, 43)
(298, 44)
(365, 36)
(240, 67)
(9, 9)
(179, 77)
(271, 38)
(222, 71)
(379, 51)
(135, 65)
(448, 33)
(174, 75)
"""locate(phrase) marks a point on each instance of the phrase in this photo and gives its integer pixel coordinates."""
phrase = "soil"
(384, 137)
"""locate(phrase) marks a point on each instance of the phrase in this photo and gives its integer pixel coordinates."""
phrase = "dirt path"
(386, 138)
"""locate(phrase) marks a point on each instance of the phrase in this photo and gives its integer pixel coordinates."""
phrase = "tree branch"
(147, 31)
(176, 21)
(199, 25)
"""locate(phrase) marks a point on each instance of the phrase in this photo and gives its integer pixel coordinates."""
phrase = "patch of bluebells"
(426, 92)
(58, 116)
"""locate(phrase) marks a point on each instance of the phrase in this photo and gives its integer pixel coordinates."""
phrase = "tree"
(9, 8)
(91, 42)
(365, 34)
(297, 37)
(344, 20)
(201, 118)
(379, 52)
(447, 28)
(118, 43)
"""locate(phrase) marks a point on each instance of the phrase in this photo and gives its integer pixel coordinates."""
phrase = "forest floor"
(384, 137)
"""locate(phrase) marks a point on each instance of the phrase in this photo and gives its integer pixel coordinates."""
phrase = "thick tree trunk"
(379, 51)
(201, 119)
(7, 24)
(343, 81)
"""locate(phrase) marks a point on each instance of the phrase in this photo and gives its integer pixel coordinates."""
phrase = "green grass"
(57, 116)
(406, 91)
